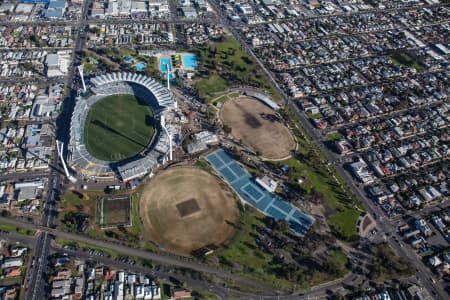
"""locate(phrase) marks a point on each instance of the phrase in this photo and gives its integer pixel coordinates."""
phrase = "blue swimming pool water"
(140, 67)
(128, 59)
(163, 62)
(189, 61)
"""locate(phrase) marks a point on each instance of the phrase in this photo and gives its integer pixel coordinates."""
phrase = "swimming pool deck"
(188, 61)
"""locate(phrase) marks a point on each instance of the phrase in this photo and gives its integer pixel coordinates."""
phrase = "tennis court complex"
(268, 203)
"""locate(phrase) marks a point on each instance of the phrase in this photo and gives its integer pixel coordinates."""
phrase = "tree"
(282, 226)
(317, 197)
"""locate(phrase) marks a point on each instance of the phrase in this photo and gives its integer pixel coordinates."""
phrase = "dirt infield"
(258, 127)
(184, 209)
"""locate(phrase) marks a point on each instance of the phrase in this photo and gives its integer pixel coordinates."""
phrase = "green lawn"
(18, 230)
(71, 199)
(403, 59)
(345, 221)
(243, 251)
(334, 136)
(118, 127)
(210, 85)
(136, 222)
(337, 263)
(88, 67)
(316, 116)
(309, 163)
(229, 65)
(338, 258)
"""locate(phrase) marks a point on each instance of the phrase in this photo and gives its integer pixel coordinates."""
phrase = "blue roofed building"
(56, 9)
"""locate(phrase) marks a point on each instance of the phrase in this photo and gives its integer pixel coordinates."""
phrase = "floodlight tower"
(169, 136)
(80, 70)
(168, 77)
(60, 150)
(170, 147)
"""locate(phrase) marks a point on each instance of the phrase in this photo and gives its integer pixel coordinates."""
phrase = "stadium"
(147, 97)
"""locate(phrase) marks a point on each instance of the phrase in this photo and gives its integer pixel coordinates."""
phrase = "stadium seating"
(150, 91)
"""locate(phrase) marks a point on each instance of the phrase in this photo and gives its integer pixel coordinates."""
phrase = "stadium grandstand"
(160, 99)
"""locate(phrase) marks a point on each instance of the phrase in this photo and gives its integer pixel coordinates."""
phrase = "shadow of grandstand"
(150, 120)
(25, 151)
(112, 130)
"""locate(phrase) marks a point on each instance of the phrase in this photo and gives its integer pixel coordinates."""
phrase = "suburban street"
(387, 227)
(43, 243)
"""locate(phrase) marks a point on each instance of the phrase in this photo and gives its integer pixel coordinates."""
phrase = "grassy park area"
(118, 127)
(319, 181)
(334, 136)
(245, 256)
(76, 206)
(388, 265)
(404, 59)
(242, 251)
(225, 64)
(18, 230)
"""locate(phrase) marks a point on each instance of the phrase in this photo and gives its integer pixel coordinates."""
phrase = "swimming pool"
(189, 61)
(140, 67)
(128, 59)
(163, 63)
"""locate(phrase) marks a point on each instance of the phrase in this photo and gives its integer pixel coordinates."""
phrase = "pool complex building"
(250, 192)
(186, 61)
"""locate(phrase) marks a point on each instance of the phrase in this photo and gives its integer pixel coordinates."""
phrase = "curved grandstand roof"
(156, 95)
(162, 95)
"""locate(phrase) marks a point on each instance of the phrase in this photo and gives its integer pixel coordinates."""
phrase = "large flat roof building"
(56, 9)
(57, 63)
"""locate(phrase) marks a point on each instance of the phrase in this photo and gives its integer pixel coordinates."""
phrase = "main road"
(173, 260)
(265, 291)
(36, 281)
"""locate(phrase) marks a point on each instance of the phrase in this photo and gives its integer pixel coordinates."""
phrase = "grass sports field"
(185, 209)
(258, 127)
(115, 211)
(118, 127)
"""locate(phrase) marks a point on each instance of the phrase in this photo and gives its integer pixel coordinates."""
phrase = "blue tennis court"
(215, 161)
(269, 204)
(282, 205)
(253, 192)
(275, 213)
(304, 218)
(228, 175)
(237, 170)
(224, 157)
(264, 202)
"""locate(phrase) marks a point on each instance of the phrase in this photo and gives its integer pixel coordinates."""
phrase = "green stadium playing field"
(118, 127)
